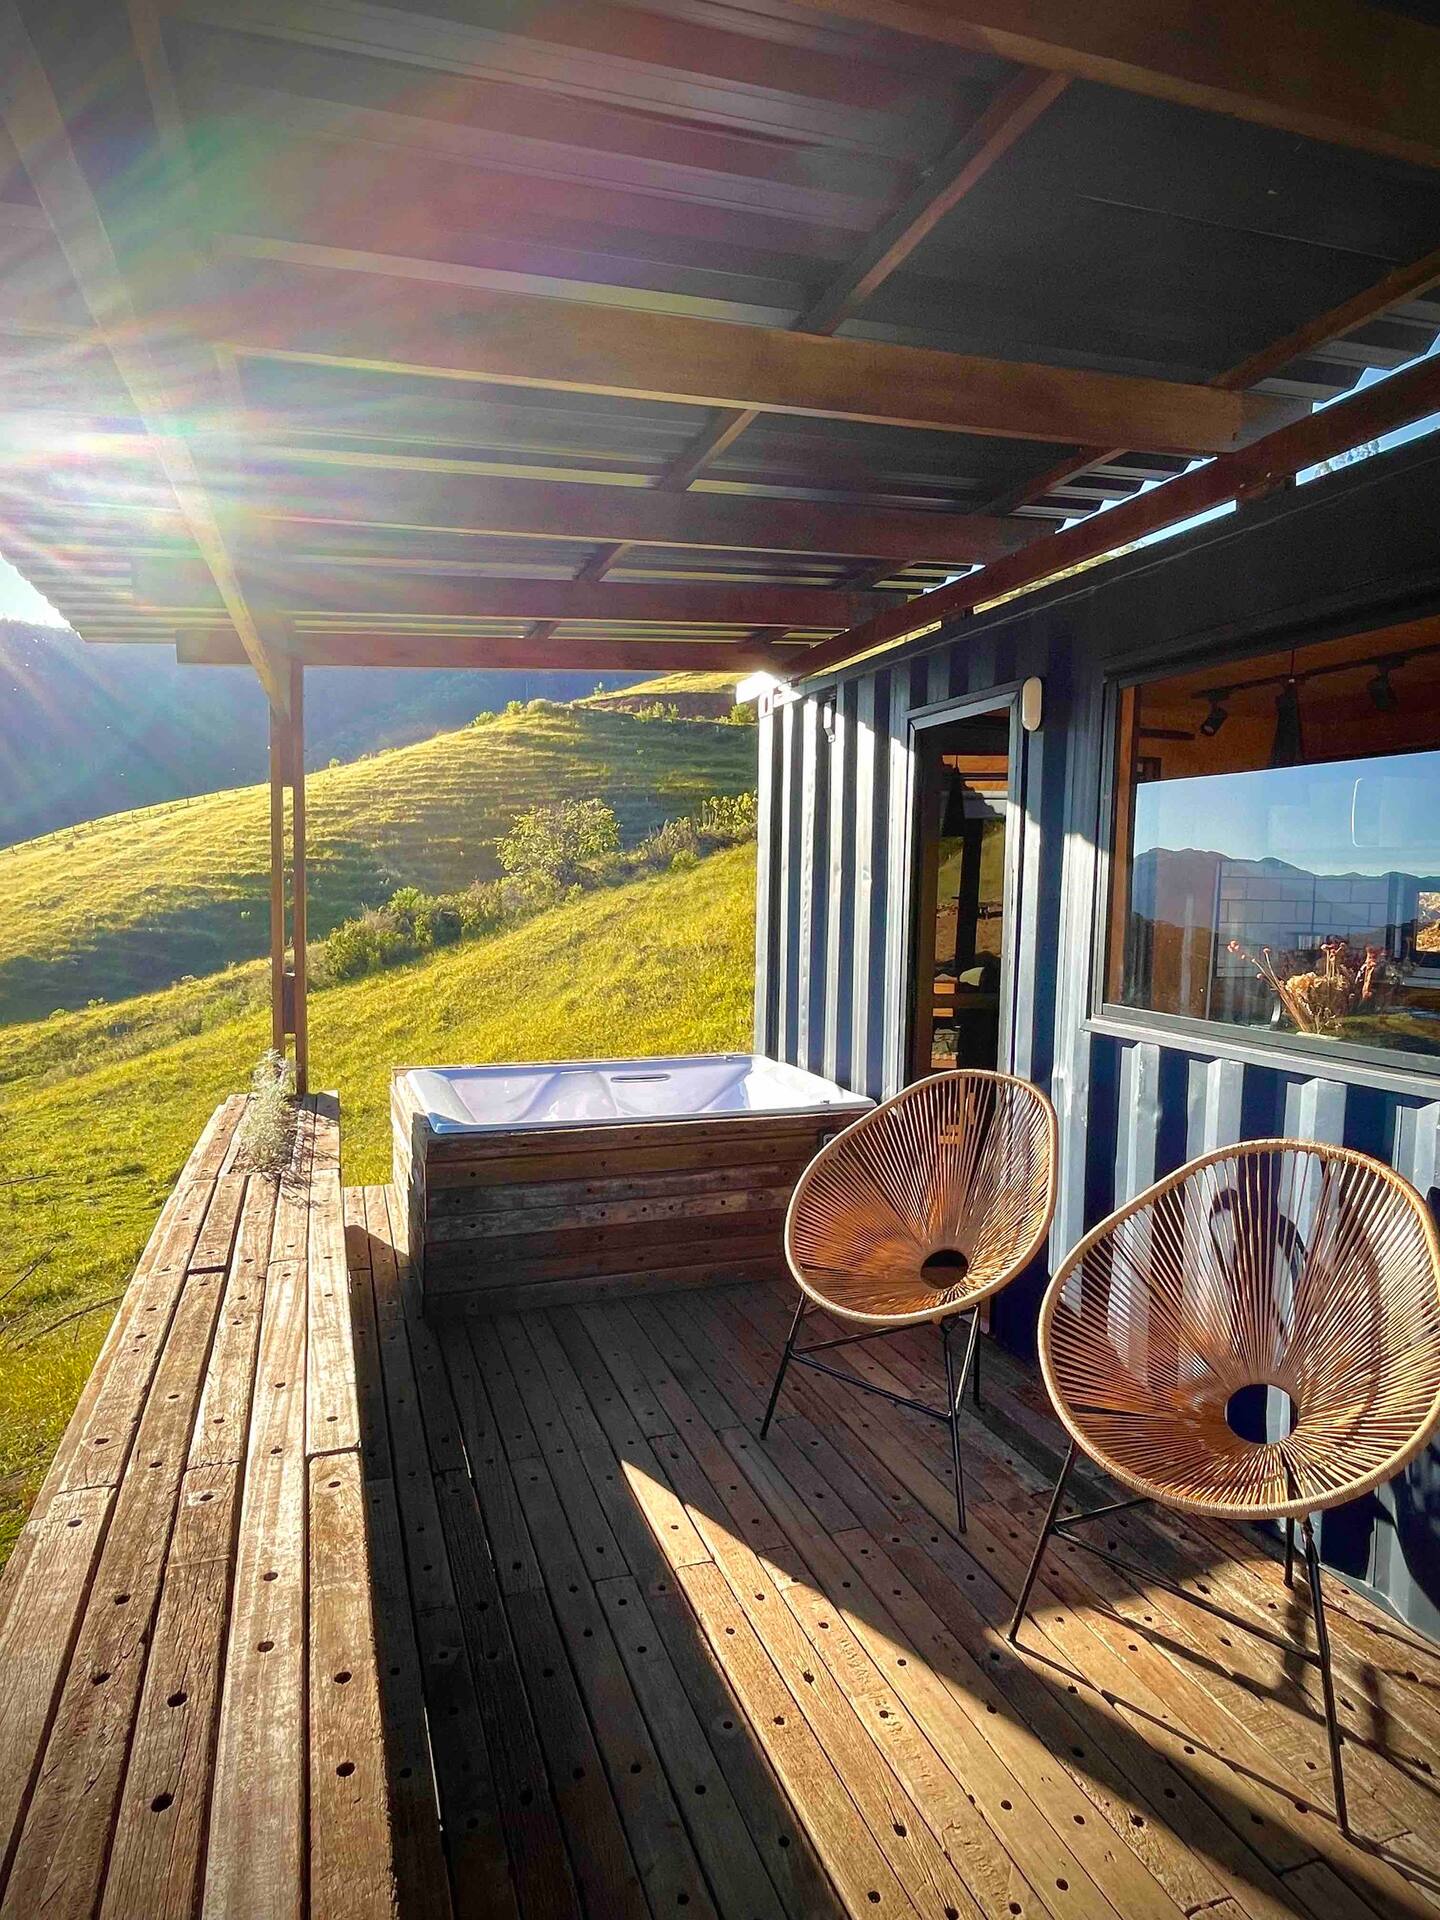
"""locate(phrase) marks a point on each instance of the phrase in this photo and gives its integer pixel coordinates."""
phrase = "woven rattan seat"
(928, 1205)
(923, 1210)
(1256, 1337)
(1310, 1269)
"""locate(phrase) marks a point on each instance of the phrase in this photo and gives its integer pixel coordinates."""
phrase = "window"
(1277, 846)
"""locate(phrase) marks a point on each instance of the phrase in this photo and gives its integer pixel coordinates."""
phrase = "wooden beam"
(1014, 110)
(1402, 283)
(1366, 415)
(219, 647)
(321, 314)
(32, 117)
(1343, 72)
(632, 516)
(379, 596)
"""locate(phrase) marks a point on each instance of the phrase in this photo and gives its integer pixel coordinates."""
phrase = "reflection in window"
(1277, 845)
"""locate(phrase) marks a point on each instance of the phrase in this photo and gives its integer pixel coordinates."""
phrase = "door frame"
(1005, 700)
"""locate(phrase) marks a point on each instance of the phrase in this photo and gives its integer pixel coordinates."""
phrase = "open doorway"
(963, 776)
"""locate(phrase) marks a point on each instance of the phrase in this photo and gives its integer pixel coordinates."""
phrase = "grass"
(670, 683)
(143, 900)
(101, 1106)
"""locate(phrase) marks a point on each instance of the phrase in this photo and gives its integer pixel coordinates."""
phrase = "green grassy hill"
(694, 696)
(140, 900)
(101, 1106)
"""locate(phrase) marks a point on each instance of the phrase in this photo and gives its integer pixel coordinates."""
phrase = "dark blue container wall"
(1355, 549)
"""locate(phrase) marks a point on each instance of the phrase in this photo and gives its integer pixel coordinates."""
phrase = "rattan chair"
(922, 1210)
(1308, 1270)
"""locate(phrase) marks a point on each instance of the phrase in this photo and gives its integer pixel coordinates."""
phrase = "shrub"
(365, 945)
(742, 714)
(559, 844)
(437, 924)
(481, 908)
(684, 860)
(668, 839)
(730, 817)
(403, 906)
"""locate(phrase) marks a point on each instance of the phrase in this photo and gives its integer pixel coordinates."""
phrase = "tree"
(557, 843)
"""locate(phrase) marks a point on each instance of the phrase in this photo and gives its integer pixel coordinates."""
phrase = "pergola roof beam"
(634, 516)
(375, 594)
(219, 647)
(1365, 415)
(1401, 284)
(1348, 73)
(317, 313)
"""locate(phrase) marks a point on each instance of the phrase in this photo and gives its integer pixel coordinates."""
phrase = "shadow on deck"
(326, 1609)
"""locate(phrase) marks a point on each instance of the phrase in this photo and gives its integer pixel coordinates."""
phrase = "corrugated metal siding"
(835, 895)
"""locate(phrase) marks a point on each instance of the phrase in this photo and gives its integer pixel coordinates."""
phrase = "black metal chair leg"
(955, 1394)
(1050, 1518)
(975, 1365)
(1322, 1636)
(780, 1370)
(1289, 1553)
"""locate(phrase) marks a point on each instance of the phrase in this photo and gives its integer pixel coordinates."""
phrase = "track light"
(1381, 693)
(1219, 713)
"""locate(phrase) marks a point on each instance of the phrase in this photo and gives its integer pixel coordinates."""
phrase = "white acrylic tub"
(587, 1093)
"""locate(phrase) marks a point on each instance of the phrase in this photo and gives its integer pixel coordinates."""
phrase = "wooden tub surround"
(515, 1616)
(546, 1214)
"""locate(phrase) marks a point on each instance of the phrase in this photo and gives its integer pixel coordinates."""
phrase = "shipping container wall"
(1350, 551)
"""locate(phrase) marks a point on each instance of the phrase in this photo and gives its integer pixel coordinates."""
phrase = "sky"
(20, 601)
(1351, 816)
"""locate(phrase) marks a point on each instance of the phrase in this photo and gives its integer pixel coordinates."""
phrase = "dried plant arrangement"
(267, 1131)
(1340, 981)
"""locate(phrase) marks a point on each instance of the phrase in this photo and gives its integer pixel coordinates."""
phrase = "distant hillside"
(139, 900)
(694, 696)
(100, 1131)
(92, 730)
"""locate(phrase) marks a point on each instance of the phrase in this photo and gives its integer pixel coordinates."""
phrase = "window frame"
(1312, 1057)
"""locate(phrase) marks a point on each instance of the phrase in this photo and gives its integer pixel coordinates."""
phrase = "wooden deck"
(327, 1610)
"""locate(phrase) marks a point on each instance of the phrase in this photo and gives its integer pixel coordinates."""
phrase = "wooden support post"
(288, 968)
(300, 1007)
(279, 731)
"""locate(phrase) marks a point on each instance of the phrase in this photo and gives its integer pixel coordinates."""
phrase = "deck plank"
(475, 1848)
(550, 1631)
(48, 1589)
(59, 1862)
(158, 1853)
(332, 1405)
(257, 1855)
(222, 1419)
(351, 1869)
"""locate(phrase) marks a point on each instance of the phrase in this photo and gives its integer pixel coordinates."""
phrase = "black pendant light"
(1288, 747)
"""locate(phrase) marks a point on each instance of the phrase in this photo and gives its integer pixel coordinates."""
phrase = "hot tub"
(564, 1180)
